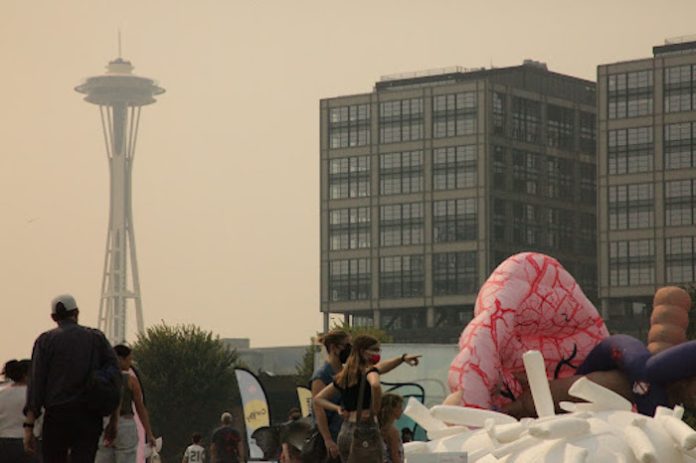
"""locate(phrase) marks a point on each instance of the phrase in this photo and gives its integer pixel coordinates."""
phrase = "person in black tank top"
(360, 366)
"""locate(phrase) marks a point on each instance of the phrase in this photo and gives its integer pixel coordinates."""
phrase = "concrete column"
(376, 318)
(430, 317)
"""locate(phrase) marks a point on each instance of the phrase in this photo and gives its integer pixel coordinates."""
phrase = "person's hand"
(412, 360)
(331, 447)
(29, 441)
(345, 414)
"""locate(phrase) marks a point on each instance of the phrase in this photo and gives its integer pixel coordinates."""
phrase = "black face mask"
(345, 353)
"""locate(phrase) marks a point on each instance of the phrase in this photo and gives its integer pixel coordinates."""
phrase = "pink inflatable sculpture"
(530, 302)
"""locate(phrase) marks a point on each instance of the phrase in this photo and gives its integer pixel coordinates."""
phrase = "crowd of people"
(48, 414)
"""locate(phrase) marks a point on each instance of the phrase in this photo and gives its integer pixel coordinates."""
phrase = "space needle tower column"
(120, 95)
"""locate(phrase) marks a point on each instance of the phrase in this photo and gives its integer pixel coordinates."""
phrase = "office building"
(647, 180)
(432, 179)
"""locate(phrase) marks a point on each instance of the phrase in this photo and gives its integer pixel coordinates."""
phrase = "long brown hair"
(356, 363)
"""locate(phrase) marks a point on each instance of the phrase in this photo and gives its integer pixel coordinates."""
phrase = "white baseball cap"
(63, 303)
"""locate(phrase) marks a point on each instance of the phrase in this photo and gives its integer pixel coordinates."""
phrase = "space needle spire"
(120, 96)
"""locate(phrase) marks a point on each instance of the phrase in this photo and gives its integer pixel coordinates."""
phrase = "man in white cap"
(62, 362)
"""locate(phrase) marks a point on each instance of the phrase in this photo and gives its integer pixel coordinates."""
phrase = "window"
(586, 233)
(680, 203)
(401, 276)
(499, 168)
(679, 88)
(631, 262)
(403, 319)
(559, 229)
(455, 220)
(500, 220)
(401, 224)
(349, 279)
(680, 259)
(498, 113)
(349, 177)
(588, 143)
(526, 120)
(631, 206)
(349, 228)
(588, 183)
(527, 172)
(559, 178)
(454, 114)
(401, 172)
(679, 146)
(454, 167)
(630, 94)
(560, 123)
(526, 224)
(349, 126)
(630, 150)
(455, 273)
(401, 120)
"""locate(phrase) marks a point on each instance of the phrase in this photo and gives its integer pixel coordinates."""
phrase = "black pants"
(70, 430)
(12, 450)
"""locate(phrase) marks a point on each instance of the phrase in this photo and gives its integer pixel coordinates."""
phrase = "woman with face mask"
(328, 423)
(360, 366)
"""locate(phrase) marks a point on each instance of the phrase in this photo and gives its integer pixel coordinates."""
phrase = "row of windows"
(404, 276)
(542, 175)
(402, 224)
(453, 168)
(633, 262)
(632, 150)
(542, 227)
(632, 206)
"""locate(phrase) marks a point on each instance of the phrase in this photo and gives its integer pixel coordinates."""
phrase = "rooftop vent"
(535, 63)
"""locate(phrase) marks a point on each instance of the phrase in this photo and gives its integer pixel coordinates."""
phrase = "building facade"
(647, 180)
(432, 179)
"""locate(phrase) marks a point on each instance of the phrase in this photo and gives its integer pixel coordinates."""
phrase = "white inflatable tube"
(448, 431)
(592, 392)
(639, 442)
(680, 432)
(421, 415)
(538, 383)
(504, 433)
(464, 416)
(559, 428)
(574, 454)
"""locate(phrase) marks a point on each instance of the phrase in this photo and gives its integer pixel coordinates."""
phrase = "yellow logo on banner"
(256, 414)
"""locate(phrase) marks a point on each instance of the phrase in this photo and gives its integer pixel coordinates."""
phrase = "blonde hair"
(390, 403)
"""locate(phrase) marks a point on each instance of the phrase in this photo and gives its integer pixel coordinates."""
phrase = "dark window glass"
(401, 172)
(588, 143)
(349, 177)
(454, 114)
(560, 182)
(401, 224)
(401, 120)
(680, 202)
(349, 279)
(526, 120)
(498, 113)
(630, 94)
(401, 276)
(455, 220)
(631, 206)
(679, 88)
(349, 228)
(527, 172)
(560, 127)
(349, 126)
(527, 223)
(631, 262)
(679, 146)
(630, 150)
(499, 168)
(454, 167)
(455, 273)
(680, 259)
(588, 183)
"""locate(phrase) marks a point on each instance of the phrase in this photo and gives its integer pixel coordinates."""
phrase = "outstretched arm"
(388, 365)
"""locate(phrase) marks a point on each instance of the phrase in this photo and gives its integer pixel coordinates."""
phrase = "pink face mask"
(375, 358)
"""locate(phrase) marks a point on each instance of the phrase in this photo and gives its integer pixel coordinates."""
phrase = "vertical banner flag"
(304, 396)
(256, 411)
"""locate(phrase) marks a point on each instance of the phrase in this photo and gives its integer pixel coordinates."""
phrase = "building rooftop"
(676, 46)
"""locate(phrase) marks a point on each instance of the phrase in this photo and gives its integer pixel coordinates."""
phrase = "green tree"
(305, 367)
(188, 379)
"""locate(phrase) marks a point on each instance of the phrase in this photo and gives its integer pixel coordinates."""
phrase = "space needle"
(120, 95)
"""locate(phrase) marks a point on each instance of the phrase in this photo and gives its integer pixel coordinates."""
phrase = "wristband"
(27, 425)
(403, 358)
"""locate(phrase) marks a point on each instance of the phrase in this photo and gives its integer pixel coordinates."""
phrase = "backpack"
(103, 390)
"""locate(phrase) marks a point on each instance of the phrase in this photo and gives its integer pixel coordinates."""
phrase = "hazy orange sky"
(226, 176)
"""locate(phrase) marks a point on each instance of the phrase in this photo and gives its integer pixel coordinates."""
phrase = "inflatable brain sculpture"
(602, 429)
(530, 302)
